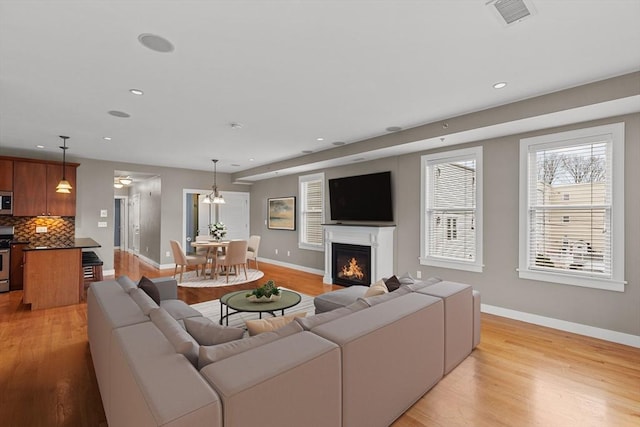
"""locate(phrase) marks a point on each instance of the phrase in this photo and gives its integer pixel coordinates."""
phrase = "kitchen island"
(53, 275)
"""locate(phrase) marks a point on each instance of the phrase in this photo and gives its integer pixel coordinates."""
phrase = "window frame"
(614, 133)
(427, 161)
(303, 181)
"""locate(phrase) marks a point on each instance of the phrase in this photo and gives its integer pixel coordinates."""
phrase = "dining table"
(212, 247)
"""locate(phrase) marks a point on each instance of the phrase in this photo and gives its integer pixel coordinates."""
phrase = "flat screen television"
(361, 198)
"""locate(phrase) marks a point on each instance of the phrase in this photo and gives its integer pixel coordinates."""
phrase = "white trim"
(425, 161)
(615, 133)
(563, 325)
(124, 222)
(109, 272)
(292, 266)
(302, 203)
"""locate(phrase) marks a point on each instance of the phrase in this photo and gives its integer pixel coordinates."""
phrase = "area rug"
(211, 309)
(190, 280)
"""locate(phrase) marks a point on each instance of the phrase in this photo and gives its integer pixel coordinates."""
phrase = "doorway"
(134, 223)
(121, 223)
(198, 215)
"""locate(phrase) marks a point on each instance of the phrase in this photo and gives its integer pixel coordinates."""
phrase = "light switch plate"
(103, 213)
(102, 224)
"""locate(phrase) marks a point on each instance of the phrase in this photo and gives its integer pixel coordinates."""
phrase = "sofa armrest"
(167, 286)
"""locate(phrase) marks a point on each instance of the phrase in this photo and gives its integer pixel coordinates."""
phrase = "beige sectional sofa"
(361, 364)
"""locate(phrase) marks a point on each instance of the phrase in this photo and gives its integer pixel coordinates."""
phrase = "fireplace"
(377, 239)
(351, 264)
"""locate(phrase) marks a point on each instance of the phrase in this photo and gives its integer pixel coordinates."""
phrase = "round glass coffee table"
(238, 301)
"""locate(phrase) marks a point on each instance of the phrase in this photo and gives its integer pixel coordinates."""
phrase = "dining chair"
(252, 249)
(183, 260)
(235, 256)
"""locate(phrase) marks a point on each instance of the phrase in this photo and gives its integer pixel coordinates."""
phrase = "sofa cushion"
(423, 284)
(149, 288)
(178, 337)
(178, 309)
(378, 288)
(126, 283)
(392, 283)
(338, 299)
(378, 299)
(406, 279)
(207, 332)
(143, 300)
(214, 353)
(269, 324)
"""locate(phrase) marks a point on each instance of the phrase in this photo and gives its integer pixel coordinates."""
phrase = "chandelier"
(214, 196)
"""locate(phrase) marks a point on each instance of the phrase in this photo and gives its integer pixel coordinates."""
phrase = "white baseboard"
(563, 325)
(292, 266)
(109, 272)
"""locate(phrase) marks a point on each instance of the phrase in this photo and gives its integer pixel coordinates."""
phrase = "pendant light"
(64, 186)
(214, 196)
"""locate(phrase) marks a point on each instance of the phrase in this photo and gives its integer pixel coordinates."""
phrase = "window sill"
(319, 248)
(568, 279)
(456, 265)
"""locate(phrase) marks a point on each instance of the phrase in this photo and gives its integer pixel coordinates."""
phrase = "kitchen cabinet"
(34, 189)
(6, 175)
(52, 278)
(16, 269)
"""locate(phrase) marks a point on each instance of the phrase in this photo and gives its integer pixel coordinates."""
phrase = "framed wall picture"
(282, 213)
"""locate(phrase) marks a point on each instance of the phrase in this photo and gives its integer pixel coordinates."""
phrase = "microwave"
(6, 203)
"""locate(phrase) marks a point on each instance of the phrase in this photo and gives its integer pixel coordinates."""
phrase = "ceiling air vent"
(511, 11)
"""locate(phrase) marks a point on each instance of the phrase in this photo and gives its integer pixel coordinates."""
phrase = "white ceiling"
(288, 71)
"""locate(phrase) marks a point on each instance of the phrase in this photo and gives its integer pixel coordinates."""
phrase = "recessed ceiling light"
(394, 129)
(121, 114)
(320, 139)
(136, 91)
(156, 43)
(235, 165)
(39, 146)
(106, 138)
(338, 143)
(499, 85)
(251, 159)
(235, 125)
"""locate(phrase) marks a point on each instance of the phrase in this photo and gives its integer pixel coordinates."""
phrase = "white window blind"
(571, 208)
(311, 211)
(451, 190)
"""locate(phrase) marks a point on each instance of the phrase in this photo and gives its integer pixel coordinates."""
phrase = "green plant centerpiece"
(265, 293)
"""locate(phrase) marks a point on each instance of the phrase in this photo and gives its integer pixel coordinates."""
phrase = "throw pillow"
(207, 332)
(377, 288)
(150, 289)
(269, 324)
(392, 283)
(406, 279)
(210, 354)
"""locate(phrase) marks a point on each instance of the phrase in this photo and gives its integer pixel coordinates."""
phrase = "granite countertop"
(78, 243)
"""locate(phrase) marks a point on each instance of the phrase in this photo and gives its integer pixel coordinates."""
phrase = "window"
(572, 207)
(311, 211)
(451, 220)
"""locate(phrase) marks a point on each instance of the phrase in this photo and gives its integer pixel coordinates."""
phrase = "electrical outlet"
(102, 224)
(276, 252)
(167, 254)
(288, 253)
(103, 213)
(418, 274)
(41, 229)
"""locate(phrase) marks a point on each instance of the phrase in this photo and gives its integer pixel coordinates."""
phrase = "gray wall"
(499, 282)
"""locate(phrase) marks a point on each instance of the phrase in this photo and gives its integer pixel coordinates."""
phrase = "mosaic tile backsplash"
(60, 230)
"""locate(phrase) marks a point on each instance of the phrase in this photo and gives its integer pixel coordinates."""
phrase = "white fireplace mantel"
(379, 238)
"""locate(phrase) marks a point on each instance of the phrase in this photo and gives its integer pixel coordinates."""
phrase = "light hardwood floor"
(520, 374)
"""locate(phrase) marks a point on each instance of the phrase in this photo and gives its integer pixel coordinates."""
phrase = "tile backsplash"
(60, 230)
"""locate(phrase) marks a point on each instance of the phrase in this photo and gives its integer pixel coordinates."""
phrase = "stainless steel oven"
(6, 203)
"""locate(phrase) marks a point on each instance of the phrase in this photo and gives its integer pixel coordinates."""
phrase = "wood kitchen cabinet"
(16, 269)
(34, 189)
(6, 175)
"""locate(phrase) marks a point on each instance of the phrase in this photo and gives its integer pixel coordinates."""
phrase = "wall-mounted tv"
(361, 198)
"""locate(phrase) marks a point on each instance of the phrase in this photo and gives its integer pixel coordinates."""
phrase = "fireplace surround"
(380, 240)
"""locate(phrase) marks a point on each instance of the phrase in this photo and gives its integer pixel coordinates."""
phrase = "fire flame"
(352, 270)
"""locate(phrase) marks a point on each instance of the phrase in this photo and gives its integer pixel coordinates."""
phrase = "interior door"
(135, 223)
(235, 215)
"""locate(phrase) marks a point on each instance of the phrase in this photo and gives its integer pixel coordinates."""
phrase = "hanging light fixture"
(64, 186)
(117, 184)
(126, 180)
(214, 196)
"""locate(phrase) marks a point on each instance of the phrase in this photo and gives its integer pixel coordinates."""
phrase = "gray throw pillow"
(214, 353)
(207, 332)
